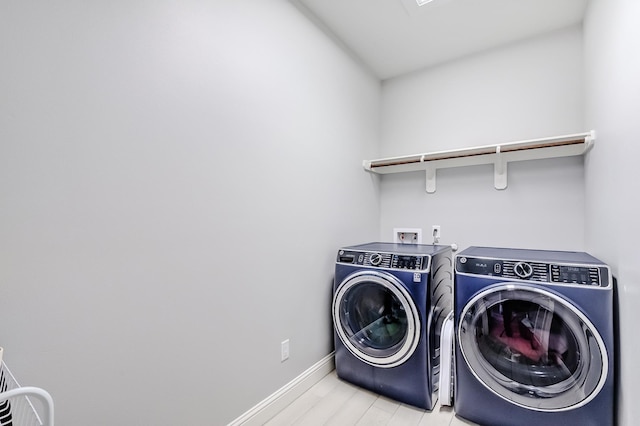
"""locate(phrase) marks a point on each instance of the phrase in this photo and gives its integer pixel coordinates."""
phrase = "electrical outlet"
(407, 235)
(435, 232)
(284, 350)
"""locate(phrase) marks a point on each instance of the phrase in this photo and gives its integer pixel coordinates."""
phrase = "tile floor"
(334, 402)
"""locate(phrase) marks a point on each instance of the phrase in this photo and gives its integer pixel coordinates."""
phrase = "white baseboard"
(284, 396)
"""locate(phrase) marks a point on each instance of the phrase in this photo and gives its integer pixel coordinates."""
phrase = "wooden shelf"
(498, 154)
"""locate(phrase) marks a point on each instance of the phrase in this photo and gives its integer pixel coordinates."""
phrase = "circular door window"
(532, 348)
(375, 318)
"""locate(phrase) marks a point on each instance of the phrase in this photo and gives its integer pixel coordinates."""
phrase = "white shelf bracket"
(500, 170)
(589, 140)
(431, 179)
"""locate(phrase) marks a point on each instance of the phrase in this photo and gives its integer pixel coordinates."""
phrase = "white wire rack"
(16, 408)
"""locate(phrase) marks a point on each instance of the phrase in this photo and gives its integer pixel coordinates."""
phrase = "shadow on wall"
(332, 344)
(616, 349)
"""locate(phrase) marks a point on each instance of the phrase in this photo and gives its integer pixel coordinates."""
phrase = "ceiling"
(395, 37)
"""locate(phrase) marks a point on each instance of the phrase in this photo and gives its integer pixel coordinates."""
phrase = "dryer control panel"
(534, 271)
(384, 260)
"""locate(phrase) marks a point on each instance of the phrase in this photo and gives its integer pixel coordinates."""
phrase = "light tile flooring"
(335, 402)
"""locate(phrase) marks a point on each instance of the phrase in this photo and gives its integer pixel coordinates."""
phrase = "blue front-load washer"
(389, 303)
(534, 338)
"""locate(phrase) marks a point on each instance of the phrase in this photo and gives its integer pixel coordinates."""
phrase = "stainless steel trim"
(426, 268)
(577, 264)
(499, 287)
(413, 319)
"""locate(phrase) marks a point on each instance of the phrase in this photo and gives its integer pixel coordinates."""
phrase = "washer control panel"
(384, 260)
(534, 271)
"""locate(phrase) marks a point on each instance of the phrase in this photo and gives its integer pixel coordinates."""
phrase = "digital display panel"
(410, 262)
(574, 274)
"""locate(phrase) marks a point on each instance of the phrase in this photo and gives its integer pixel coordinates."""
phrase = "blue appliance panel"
(534, 338)
(389, 304)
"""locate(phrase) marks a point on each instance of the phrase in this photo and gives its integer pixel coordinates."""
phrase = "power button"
(497, 268)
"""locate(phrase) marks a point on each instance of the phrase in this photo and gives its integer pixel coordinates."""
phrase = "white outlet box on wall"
(407, 235)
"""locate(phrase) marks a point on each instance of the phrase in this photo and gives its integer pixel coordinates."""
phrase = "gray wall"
(527, 90)
(176, 176)
(175, 179)
(613, 231)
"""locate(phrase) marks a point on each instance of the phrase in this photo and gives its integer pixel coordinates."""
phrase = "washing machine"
(534, 338)
(389, 303)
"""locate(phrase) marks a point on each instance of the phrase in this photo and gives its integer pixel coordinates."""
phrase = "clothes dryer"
(534, 338)
(389, 303)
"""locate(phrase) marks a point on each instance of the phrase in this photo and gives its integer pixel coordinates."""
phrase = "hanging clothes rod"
(499, 154)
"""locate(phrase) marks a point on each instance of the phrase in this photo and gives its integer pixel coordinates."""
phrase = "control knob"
(523, 270)
(375, 259)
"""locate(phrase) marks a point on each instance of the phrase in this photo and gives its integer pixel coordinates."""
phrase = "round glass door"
(532, 348)
(375, 318)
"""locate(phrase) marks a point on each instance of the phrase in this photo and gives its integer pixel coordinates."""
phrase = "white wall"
(175, 179)
(527, 90)
(612, 104)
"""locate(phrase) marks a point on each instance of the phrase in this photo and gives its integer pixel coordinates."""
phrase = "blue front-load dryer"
(534, 338)
(389, 303)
